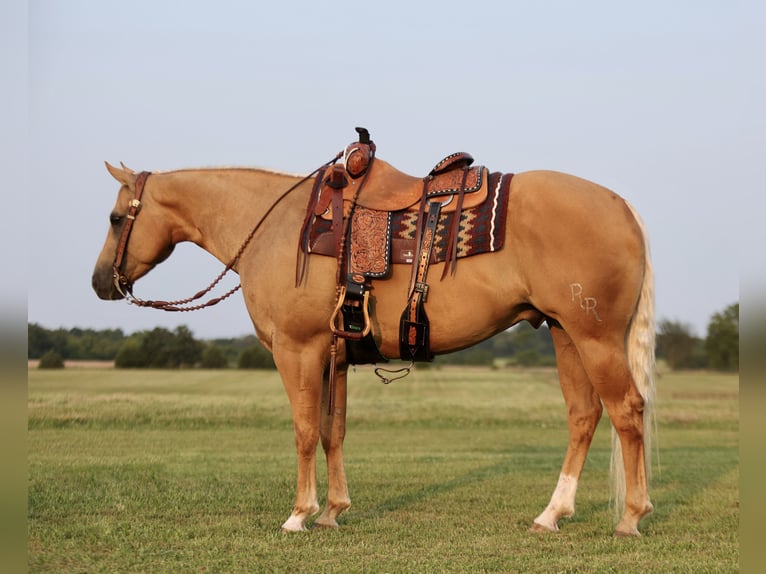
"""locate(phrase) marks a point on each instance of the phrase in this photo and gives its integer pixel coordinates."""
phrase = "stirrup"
(352, 335)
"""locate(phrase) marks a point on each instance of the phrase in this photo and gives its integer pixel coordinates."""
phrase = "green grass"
(194, 471)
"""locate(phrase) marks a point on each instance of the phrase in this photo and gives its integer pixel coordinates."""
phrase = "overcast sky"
(661, 101)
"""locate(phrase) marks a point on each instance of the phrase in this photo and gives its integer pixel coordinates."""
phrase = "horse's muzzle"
(103, 285)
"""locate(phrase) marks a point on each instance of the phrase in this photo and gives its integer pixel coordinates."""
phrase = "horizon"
(688, 326)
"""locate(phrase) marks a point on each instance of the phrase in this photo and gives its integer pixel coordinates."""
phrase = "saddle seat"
(386, 188)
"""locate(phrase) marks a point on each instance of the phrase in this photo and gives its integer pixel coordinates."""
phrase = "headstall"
(121, 282)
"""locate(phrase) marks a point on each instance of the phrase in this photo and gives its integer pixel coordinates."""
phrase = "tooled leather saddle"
(369, 215)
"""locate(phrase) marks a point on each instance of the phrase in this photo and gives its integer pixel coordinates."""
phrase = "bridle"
(125, 286)
(118, 267)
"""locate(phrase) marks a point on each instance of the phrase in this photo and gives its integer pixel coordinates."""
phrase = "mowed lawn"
(194, 471)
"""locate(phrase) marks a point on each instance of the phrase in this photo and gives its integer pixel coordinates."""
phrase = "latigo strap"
(414, 335)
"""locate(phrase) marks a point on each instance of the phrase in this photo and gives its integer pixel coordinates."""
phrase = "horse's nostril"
(101, 285)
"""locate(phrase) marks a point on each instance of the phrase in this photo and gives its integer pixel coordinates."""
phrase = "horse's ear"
(126, 168)
(125, 176)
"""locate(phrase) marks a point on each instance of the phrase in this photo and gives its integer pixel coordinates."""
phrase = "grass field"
(194, 471)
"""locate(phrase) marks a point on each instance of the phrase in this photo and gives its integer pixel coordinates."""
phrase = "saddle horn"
(358, 155)
(364, 135)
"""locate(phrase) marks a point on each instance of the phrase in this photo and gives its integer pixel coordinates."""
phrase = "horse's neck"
(217, 209)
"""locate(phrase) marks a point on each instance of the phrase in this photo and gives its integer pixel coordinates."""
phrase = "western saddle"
(356, 200)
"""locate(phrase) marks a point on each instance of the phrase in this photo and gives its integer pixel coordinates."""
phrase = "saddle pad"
(481, 230)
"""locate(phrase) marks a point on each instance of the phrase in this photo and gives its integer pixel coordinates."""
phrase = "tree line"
(156, 348)
(522, 345)
(719, 350)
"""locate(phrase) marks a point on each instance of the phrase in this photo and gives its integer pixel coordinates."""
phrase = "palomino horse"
(575, 255)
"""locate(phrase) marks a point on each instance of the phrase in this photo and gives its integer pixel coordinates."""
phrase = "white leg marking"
(561, 504)
(294, 524)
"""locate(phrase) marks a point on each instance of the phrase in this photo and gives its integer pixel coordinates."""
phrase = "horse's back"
(574, 210)
(556, 192)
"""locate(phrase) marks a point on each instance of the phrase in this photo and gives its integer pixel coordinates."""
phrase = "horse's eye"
(115, 219)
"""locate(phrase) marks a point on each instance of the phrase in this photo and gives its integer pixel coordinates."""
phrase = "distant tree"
(39, 341)
(722, 342)
(156, 346)
(532, 347)
(185, 350)
(527, 358)
(213, 357)
(130, 356)
(74, 343)
(521, 344)
(524, 337)
(677, 345)
(255, 357)
(51, 360)
(160, 349)
(96, 345)
(233, 347)
(476, 356)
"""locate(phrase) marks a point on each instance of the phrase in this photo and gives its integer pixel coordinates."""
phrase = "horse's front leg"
(301, 372)
(333, 431)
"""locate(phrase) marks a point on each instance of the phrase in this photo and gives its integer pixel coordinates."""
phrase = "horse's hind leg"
(607, 367)
(333, 431)
(583, 413)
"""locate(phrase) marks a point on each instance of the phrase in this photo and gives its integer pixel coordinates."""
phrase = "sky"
(660, 101)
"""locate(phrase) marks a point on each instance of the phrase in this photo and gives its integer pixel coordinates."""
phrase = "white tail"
(640, 348)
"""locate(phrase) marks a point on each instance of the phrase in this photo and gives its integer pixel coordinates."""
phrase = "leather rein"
(125, 285)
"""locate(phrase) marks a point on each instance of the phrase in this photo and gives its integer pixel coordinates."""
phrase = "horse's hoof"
(537, 527)
(623, 534)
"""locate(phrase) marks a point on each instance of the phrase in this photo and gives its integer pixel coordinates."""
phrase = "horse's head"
(139, 237)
